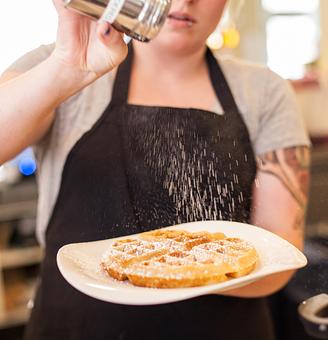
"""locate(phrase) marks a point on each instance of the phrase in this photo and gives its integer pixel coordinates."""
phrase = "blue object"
(25, 162)
(27, 166)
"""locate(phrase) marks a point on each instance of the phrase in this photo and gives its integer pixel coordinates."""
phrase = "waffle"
(186, 239)
(177, 258)
(124, 253)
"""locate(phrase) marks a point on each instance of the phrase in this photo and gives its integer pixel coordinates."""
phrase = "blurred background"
(289, 36)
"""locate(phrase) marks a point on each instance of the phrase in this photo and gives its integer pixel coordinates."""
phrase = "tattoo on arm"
(291, 167)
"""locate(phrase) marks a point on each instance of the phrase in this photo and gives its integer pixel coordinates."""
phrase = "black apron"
(141, 168)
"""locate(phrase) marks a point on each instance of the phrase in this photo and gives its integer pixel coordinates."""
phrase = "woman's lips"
(180, 19)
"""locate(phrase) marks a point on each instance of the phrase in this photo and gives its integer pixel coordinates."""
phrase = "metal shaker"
(139, 19)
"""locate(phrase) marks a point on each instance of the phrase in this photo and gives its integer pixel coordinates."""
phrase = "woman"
(163, 140)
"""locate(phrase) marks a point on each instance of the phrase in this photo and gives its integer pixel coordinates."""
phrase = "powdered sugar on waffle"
(178, 258)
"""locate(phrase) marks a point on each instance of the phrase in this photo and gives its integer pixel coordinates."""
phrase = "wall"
(252, 25)
(25, 25)
(324, 40)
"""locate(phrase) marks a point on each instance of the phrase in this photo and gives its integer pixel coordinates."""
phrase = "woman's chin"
(177, 44)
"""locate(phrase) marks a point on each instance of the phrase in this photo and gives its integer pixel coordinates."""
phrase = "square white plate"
(79, 263)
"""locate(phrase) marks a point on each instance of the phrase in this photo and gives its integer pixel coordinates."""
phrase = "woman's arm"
(84, 52)
(28, 101)
(279, 205)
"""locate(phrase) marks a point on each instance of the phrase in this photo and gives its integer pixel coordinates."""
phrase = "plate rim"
(187, 293)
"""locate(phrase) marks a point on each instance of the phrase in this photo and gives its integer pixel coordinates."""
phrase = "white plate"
(79, 263)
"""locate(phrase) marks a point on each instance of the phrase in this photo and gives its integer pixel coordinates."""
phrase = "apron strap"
(218, 80)
(122, 79)
(220, 85)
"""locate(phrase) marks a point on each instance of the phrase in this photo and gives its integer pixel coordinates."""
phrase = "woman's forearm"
(279, 203)
(263, 287)
(28, 102)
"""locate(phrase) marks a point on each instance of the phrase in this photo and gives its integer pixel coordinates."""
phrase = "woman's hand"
(83, 53)
(85, 45)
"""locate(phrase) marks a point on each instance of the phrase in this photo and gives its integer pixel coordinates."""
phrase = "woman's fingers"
(59, 5)
(64, 12)
(103, 32)
(108, 35)
(93, 46)
(114, 49)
